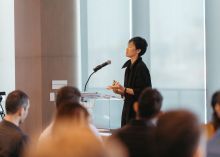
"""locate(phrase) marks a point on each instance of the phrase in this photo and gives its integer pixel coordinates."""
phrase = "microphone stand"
(88, 80)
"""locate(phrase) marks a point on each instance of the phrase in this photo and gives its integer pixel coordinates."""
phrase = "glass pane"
(177, 53)
(108, 31)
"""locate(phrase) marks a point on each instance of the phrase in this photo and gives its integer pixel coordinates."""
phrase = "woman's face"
(131, 50)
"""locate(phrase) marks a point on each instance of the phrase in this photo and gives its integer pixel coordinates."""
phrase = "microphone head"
(102, 65)
(108, 61)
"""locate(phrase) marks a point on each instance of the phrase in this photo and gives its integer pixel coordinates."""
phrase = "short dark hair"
(68, 110)
(67, 93)
(215, 100)
(15, 100)
(177, 134)
(140, 43)
(150, 102)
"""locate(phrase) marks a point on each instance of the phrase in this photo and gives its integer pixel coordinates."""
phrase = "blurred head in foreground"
(178, 134)
(69, 142)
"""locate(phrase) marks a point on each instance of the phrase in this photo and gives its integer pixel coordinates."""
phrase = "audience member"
(12, 139)
(71, 136)
(178, 135)
(69, 141)
(71, 114)
(213, 125)
(214, 145)
(137, 136)
(65, 95)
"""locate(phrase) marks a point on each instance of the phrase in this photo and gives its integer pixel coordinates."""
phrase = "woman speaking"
(136, 78)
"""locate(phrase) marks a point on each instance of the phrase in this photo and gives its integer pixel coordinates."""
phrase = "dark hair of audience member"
(177, 134)
(71, 110)
(140, 43)
(150, 102)
(15, 100)
(67, 93)
(215, 101)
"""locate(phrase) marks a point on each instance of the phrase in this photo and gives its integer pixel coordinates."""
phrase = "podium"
(105, 110)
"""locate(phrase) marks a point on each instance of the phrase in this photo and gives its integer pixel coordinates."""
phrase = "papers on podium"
(95, 95)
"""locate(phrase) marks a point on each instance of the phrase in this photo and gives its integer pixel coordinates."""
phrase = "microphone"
(101, 65)
(96, 69)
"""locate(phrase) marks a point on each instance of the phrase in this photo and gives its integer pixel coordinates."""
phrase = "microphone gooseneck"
(88, 81)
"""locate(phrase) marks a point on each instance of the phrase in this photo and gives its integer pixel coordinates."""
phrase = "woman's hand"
(117, 88)
(120, 88)
(116, 91)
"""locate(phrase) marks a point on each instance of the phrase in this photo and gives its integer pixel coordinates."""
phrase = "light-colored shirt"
(48, 130)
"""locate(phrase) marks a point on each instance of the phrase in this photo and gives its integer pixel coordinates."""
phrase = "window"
(105, 30)
(177, 53)
(175, 32)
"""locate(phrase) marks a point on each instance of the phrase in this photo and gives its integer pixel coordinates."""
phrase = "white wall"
(7, 48)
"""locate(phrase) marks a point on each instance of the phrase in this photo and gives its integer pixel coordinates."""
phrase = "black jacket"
(138, 137)
(137, 77)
